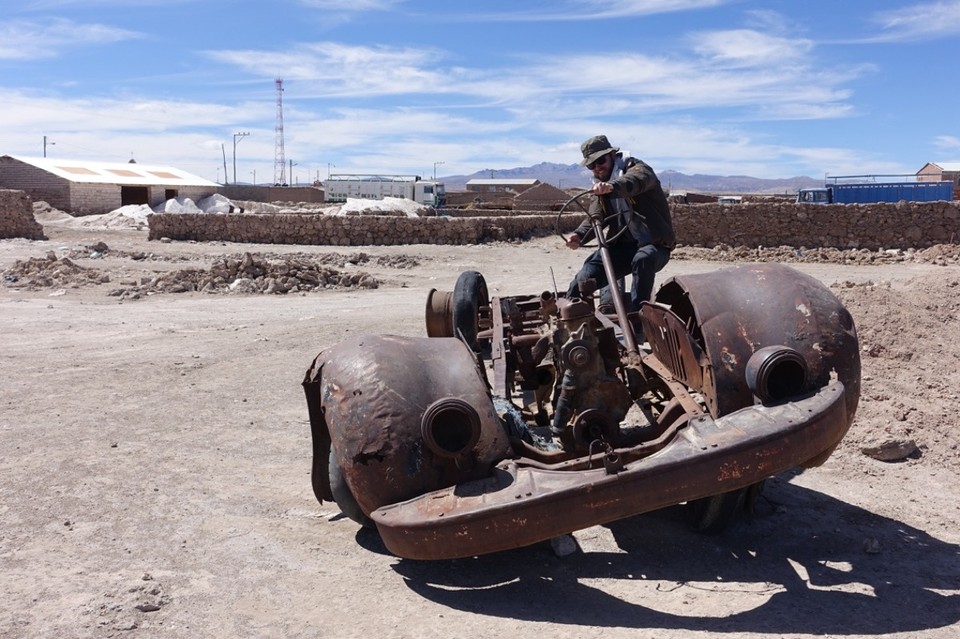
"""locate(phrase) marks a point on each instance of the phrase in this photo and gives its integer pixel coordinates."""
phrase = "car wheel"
(711, 515)
(469, 294)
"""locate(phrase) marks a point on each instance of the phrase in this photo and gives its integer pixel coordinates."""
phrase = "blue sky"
(728, 87)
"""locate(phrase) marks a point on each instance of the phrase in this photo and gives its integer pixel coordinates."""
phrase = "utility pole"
(328, 169)
(279, 165)
(435, 165)
(45, 143)
(241, 135)
(223, 150)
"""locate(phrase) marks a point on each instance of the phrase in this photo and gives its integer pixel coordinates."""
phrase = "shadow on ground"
(801, 562)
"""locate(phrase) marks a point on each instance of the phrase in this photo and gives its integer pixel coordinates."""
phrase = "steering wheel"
(580, 202)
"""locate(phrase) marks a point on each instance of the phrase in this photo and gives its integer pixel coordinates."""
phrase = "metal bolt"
(579, 356)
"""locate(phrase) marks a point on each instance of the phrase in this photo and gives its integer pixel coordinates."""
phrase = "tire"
(712, 515)
(752, 497)
(469, 294)
(343, 496)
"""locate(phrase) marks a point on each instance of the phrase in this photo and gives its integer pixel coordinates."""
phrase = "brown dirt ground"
(155, 456)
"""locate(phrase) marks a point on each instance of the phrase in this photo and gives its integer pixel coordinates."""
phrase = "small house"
(941, 172)
(84, 187)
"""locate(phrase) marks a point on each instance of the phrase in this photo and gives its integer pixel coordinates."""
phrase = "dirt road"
(155, 457)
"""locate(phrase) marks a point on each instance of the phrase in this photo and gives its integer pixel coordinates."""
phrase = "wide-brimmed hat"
(595, 148)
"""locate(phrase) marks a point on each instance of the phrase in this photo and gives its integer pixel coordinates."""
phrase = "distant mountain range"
(573, 176)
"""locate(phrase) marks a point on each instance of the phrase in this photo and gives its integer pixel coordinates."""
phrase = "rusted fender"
(404, 415)
(520, 505)
(733, 312)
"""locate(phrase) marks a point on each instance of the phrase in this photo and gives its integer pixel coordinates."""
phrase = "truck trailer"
(376, 187)
(873, 192)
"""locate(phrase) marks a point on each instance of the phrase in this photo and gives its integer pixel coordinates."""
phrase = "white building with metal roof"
(84, 187)
(500, 185)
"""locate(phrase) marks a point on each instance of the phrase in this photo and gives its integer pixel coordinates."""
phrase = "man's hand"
(602, 188)
(573, 241)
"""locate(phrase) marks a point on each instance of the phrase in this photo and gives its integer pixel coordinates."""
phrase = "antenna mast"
(279, 161)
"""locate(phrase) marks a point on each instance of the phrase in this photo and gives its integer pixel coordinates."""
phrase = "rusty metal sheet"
(374, 392)
(520, 505)
(732, 312)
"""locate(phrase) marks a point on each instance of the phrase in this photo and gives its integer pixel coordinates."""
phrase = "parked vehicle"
(523, 417)
(376, 187)
(872, 192)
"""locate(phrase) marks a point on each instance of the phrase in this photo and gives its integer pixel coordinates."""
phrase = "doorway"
(134, 195)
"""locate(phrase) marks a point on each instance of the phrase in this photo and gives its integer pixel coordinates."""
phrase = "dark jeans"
(644, 262)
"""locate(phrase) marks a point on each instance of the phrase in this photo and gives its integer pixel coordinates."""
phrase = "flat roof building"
(500, 185)
(85, 187)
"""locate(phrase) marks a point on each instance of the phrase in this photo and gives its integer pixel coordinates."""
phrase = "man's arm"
(638, 178)
(585, 230)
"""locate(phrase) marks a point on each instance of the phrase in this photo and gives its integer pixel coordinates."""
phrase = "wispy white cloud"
(195, 135)
(947, 142)
(43, 5)
(392, 108)
(588, 10)
(340, 70)
(30, 111)
(756, 73)
(25, 40)
(605, 9)
(353, 6)
(919, 21)
(749, 48)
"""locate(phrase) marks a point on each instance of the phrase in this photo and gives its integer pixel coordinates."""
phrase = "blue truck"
(872, 192)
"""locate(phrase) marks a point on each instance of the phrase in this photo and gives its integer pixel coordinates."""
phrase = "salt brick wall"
(37, 183)
(871, 226)
(96, 199)
(93, 199)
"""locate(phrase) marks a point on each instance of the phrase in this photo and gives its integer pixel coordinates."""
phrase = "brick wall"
(93, 199)
(901, 225)
(97, 199)
(37, 183)
(16, 216)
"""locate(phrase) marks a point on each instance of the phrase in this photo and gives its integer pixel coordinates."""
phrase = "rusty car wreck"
(522, 418)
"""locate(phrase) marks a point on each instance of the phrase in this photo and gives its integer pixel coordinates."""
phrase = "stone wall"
(16, 216)
(353, 230)
(871, 226)
(902, 225)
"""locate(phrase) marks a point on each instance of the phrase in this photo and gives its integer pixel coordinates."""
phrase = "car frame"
(521, 418)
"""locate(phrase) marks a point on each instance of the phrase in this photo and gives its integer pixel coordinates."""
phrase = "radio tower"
(279, 161)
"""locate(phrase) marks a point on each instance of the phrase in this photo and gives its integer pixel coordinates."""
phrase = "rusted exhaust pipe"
(450, 427)
(776, 373)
